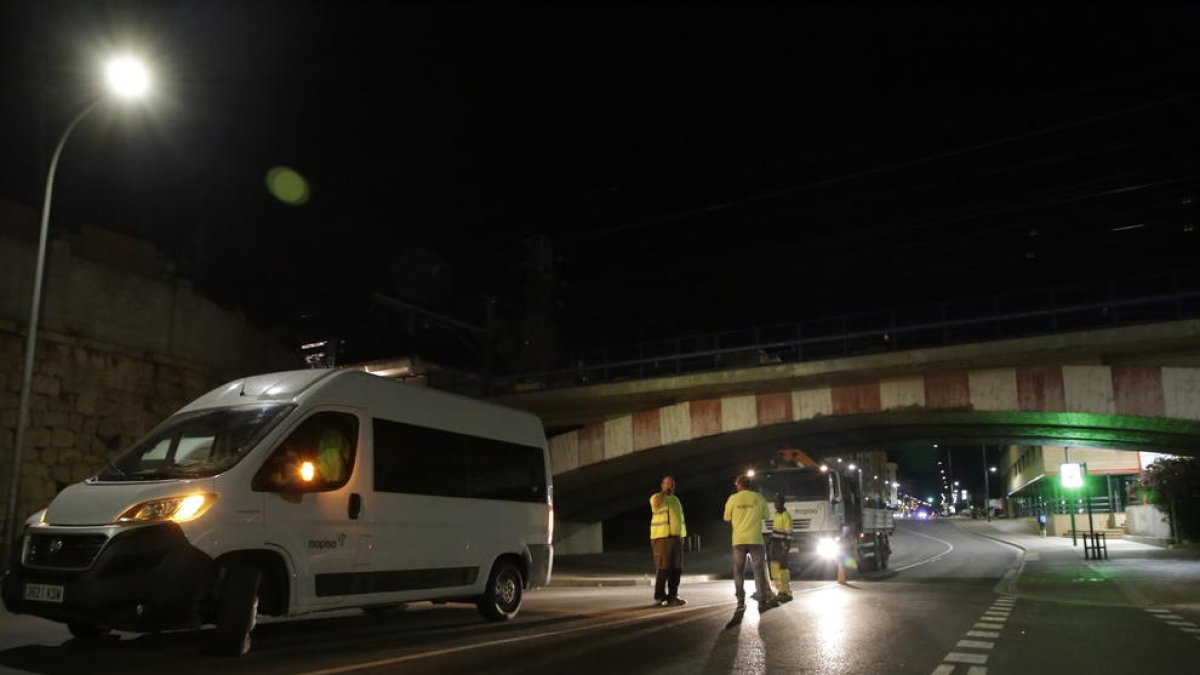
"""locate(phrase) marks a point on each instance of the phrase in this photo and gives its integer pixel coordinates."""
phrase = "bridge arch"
(1120, 407)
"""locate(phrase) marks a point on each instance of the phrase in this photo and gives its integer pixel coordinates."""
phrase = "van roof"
(358, 389)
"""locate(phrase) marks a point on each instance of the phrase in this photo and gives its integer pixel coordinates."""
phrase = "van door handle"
(355, 509)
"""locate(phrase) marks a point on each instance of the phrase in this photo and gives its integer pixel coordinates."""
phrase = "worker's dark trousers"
(668, 563)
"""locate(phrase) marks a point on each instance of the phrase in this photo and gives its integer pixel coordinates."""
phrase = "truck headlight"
(175, 509)
(827, 548)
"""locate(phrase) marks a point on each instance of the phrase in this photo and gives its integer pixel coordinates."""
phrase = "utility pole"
(1066, 459)
(987, 488)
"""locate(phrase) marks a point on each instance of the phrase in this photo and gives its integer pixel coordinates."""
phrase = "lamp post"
(127, 78)
(987, 487)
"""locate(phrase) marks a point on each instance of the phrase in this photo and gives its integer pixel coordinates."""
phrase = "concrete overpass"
(1135, 388)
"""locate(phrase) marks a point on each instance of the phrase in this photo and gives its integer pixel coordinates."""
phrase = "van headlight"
(827, 548)
(175, 509)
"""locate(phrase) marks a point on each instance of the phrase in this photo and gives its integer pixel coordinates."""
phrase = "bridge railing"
(1014, 315)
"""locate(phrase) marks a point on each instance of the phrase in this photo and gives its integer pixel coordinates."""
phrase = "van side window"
(418, 460)
(317, 457)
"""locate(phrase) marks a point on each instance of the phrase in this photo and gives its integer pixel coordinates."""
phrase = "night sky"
(691, 169)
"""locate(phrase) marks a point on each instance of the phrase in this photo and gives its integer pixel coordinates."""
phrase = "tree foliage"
(1174, 483)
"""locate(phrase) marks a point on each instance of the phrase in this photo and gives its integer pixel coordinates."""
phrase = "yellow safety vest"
(781, 526)
(746, 510)
(667, 519)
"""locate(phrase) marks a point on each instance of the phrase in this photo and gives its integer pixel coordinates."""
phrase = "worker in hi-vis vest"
(777, 550)
(745, 511)
(667, 530)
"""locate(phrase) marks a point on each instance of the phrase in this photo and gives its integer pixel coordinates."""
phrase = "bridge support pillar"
(571, 538)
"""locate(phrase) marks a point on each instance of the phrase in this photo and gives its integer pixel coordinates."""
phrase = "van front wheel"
(237, 611)
(501, 599)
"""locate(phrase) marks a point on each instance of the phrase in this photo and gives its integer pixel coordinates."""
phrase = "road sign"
(1071, 475)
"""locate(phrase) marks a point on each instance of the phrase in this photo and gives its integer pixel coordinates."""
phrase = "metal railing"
(1067, 309)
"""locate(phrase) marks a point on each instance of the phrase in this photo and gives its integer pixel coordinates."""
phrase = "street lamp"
(127, 78)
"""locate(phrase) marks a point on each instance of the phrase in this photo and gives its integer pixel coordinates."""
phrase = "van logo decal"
(323, 544)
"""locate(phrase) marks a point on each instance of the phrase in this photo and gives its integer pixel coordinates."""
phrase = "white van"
(290, 493)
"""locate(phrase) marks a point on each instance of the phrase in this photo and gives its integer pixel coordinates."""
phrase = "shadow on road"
(284, 646)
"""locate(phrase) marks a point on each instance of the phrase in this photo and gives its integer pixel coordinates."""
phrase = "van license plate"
(44, 593)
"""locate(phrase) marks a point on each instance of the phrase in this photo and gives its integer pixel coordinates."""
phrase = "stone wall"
(123, 343)
(90, 401)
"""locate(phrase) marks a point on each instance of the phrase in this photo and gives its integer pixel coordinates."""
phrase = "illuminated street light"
(127, 78)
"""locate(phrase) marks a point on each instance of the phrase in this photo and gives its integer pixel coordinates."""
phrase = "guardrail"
(867, 333)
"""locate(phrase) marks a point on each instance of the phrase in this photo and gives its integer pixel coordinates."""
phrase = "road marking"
(989, 626)
(977, 670)
(983, 633)
(933, 558)
(1190, 630)
(1159, 611)
(1169, 617)
(994, 617)
(959, 657)
(975, 644)
(993, 610)
(943, 670)
(1182, 624)
(523, 638)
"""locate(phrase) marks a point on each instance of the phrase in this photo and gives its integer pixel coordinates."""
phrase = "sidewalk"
(1135, 575)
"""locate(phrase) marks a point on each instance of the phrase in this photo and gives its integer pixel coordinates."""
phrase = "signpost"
(1071, 478)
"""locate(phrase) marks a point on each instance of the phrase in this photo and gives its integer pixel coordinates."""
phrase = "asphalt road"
(937, 610)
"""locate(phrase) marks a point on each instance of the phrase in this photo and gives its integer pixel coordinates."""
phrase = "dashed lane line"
(1171, 619)
(988, 626)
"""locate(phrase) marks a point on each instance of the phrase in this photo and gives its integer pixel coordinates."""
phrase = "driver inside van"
(333, 456)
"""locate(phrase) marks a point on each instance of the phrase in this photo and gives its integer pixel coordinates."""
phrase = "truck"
(831, 520)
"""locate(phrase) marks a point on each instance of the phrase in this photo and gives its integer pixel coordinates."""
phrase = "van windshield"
(195, 444)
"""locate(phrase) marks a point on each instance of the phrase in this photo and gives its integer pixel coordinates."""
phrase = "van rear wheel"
(237, 611)
(501, 599)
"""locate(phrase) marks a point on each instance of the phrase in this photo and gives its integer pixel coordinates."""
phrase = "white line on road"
(989, 626)
(975, 644)
(993, 610)
(933, 558)
(1169, 617)
(492, 643)
(944, 669)
(1182, 624)
(958, 657)
(1159, 611)
(1190, 630)
(983, 633)
(977, 670)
